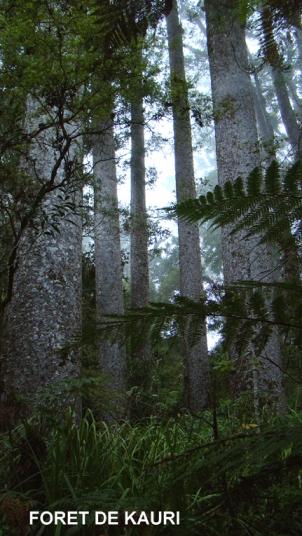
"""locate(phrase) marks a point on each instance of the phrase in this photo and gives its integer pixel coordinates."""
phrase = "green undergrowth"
(247, 481)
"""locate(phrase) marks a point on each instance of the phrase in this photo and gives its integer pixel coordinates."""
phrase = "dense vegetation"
(247, 481)
(110, 398)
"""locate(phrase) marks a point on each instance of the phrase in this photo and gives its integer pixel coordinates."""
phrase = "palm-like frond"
(263, 205)
(246, 312)
(129, 19)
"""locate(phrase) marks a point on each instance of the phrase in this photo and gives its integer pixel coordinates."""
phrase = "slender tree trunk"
(237, 154)
(195, 352)
(273, 57)
(139, 223)
(297, 102)
(108, 264)
(44, 314)
(290, 262)
(298, 36)
(265, 127)
(287, 113)
(139, 262)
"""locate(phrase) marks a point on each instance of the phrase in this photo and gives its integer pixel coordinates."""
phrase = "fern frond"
(272, 179)
(261, 206)
(254, 182)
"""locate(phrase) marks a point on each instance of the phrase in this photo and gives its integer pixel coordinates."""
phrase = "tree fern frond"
(272, 179)
(254, 182)
(245, 311)
(239, 187)
(293, 178)
(218, 194)
(263, 207)
(228, 190)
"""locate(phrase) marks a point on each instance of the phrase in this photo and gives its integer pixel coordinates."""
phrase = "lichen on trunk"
(43, 317)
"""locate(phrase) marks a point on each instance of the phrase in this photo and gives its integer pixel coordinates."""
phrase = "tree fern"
(263, 206)
(247, 310)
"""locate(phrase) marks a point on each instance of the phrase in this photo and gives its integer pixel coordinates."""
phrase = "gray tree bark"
(297, 102)
(139, 220)
(108, 264)
(264, 123)
(195, 352)
(287, 113)
(237, 154)
(139, 261)
(289, 119)
(43, 316)
(290, 265)
(298, 36)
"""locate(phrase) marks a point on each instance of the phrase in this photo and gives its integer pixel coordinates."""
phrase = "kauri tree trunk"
(195, 352)
(237, 155)
(43, 317)
(264, 123)
(139, 261)
(290, 261)
(272, 55)
(108, 265)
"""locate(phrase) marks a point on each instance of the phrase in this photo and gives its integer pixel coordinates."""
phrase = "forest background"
(150, 340)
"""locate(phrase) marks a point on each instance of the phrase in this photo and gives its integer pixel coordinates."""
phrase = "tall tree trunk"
(298, 36)
(195, 353)
(237, 154)
(108, 264)
(287, 113)
(265, 127)
(290, 259)
(282, 83)
(139, 262)
(274, 59)
(139, 224)
(44, 314)
(292, 90)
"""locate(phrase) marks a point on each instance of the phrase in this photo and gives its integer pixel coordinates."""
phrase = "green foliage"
(245, 313)
(241, 483)
(263, 206)
(69, 59)
(164, 272)
(248, 311)
(285, 12)
(211, 240)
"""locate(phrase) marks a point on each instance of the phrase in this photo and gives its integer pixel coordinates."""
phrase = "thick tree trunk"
(43, 316)
(108, 264)
(237, 154)
(273, 57)
(195, 353)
